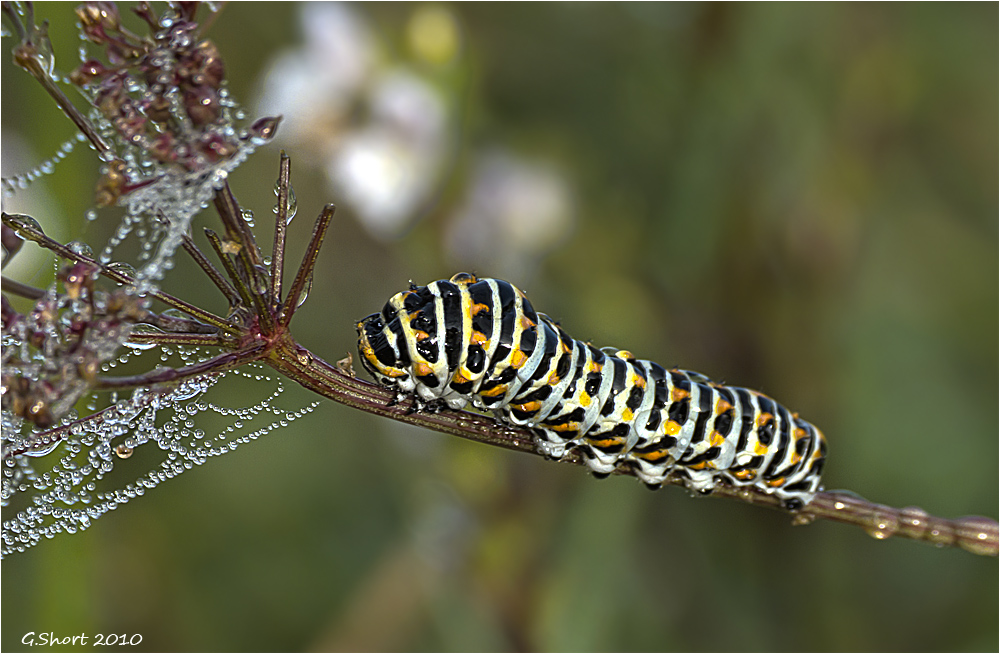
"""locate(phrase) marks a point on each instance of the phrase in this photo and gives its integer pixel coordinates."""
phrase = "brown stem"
(280, 229)
(157, 338)
(248, 255)
(23, 290)
(27, 56)
(212, 272)
(241, 285)
(307, 266)
(217, 364)
(32, 234)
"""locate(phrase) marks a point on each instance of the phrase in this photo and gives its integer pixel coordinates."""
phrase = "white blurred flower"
(314, 87)
(516, 211)
(387, 169)
(384, 161)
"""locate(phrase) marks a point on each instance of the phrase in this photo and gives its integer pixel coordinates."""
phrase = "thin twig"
(22, 290)
(280, 229)
(304, 275)
(27, 56)
(248, 254)
(220, 363)
(159, 338)
(31, 234)
(240, 284)
(213, 273)
(176, 325)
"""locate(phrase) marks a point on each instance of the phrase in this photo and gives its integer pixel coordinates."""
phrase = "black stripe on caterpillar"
(479, 341)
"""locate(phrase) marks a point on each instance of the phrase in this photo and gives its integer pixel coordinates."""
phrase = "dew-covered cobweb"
(126, 446)
(113, 447)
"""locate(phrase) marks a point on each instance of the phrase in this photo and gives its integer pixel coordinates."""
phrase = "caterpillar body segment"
(479, 341)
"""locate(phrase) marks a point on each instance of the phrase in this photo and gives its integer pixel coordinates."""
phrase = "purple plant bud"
(264, 129)
(87, 72)
(208, 66)
(202, 105)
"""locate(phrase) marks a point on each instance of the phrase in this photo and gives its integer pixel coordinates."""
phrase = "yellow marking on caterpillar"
(627, 414)
(671, 428)
(584, 399)
(764, 419)
(528, 406)
(678, 394)
(604, 442)
(496, 391)
(518, 359)
(477, 308)
(760, 449)
(776, 483)
(653, 456)
(745, 475)
(421, 369)
(478, 338)
(568, 427)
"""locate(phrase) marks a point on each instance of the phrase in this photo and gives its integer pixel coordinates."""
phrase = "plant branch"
(22, 290)
(217, 364)
(305, 273)
(158, 338)
(29, 56)
(56, 434)
(31, 233)
(248, 253)
(280, 229)
(213, 273)
(240, 284)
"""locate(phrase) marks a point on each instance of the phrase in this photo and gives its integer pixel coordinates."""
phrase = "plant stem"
(280, 228)
(221, 363)
(212, 272)
(31, 234)
(307, 266)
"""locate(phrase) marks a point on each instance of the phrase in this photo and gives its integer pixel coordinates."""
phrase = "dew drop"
(23, 224)
(305, 292)
(41, 449)
(882, 525)
(122, 268)
(80, 248)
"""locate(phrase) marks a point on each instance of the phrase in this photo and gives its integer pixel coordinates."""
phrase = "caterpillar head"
(380, 357)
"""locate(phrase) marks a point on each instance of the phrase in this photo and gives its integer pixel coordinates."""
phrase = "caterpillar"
(479, 341)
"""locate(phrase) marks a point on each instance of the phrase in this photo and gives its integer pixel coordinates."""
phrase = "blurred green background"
(799, 199)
